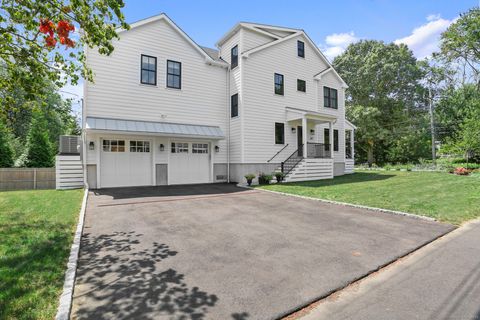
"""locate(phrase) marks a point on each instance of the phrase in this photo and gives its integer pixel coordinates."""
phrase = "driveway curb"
(63, 311)
(401, 213)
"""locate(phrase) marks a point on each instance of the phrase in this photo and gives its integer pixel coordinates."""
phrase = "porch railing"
(291, 162)
(318, 150)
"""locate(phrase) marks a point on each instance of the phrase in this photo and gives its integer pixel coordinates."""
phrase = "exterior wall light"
(162, 147)
(91, 145)
(293, 130)
(312, 131)
(217, 148)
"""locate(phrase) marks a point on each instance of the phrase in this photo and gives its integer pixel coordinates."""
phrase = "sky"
(332, 25)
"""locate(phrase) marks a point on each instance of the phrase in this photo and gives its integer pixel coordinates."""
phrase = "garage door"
(125, 163)
(189, 163)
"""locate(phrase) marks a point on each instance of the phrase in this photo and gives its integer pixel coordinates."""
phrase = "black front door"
(300, 141)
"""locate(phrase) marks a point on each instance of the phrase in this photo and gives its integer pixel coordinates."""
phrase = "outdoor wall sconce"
(293, 130)
(162, 147)
(91, 145)
(217, 148)
(312, 131)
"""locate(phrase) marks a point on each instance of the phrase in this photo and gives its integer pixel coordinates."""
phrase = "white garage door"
(125, 163)
(189, 163)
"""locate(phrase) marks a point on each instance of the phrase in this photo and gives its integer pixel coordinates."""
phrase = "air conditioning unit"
(69, 145)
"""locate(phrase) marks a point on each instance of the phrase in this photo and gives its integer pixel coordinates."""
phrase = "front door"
(300, 141)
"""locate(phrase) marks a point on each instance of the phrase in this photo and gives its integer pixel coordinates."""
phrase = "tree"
(384, 95)
(6, 152)
(38, 41)
(460, 43)
(39, 151)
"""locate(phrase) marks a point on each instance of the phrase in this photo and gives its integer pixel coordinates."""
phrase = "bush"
(264, 178)
(6, 151)
(461, 171)
(279, 176)
(39, 151)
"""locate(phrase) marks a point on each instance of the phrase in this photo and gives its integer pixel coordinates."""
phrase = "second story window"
(174, 74)
(330, 98)
(279, 84)
(234, 57)
(234, 106)
(149, 70)
(301, 85)
(301, 49)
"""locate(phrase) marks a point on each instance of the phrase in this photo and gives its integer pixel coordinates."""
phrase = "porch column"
(305, 137)
(330, 136)
(352, 144)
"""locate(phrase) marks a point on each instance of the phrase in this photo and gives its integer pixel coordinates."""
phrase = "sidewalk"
(440, 281)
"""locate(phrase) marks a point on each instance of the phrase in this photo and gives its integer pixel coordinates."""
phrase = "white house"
(164, 110)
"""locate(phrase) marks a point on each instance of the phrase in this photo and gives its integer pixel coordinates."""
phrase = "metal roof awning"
(154, 128)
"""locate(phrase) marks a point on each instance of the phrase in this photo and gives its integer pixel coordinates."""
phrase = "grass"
(445, 197)
(36, 232)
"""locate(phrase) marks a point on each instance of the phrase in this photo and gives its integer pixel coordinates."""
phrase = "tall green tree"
(39, 151)
(6, 152)
(384, 95)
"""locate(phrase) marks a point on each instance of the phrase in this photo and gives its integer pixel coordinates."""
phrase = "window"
(234, 106)
(301, 49)
(335, 140)
(279, 84)
(326, 139)
(199, 148)
(330, 98)
(149, 70)
(113, 145)
(348, 145)
(139, 146)
(234, 57)
(174, 74)
(301, 85)
(179, 147)
(279, 133)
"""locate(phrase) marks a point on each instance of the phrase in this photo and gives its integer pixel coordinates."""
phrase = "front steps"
(69, 172)
(311, 169)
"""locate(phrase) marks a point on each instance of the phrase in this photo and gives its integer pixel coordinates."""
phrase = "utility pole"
(432, 127)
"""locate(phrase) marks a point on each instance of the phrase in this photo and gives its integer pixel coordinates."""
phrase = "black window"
(279, 133)
(330, 98)
(301, 85)
(174, 74)
(326, 139)
(234, 105)
(279, 84)
(348, 145)
(149, 70)
(301, 49)
(234, 57)
(335, 140)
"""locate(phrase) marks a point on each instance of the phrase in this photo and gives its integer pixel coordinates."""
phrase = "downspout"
(228, 121)
(84, 144)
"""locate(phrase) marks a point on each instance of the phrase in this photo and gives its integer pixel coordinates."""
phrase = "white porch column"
(352, 144)
(330, 137)
(304, 136)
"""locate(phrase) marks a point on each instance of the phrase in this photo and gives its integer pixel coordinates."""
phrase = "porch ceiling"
(294, 114)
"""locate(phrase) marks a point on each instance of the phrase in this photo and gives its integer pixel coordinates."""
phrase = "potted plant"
(279, 176)
(249, 178)
(264, 178)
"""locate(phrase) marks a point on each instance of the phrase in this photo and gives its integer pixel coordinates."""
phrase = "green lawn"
(36, 232)
(443, 196)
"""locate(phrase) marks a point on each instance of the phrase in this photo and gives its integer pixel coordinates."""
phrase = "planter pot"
(249, 182)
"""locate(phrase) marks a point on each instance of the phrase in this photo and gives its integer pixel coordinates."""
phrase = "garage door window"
(139, 146)
(179, 147)
(199, 148)
(114, 145)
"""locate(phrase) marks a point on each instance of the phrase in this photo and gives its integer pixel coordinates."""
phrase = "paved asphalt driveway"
(221, 252)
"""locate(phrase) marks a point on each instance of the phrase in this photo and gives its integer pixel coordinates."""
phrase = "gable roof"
(319, 75)
(348, 123)
(183, 34)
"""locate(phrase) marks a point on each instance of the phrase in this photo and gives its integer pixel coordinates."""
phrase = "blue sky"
(332, 25)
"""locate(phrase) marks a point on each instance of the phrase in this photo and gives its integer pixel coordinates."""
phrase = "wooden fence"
(27, 178)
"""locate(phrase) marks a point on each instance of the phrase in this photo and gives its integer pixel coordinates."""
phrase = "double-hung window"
(234, 57)
(330, 98)
(279, 133)
(326, 139)
(279, 84)
(301, 85)
(149, 70)
(301, 49)
(174, 74)
(234, 106)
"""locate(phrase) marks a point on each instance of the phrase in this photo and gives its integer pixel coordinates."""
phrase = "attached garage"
(189, 163)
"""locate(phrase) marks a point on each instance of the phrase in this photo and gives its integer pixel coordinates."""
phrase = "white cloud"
(336, 43)
(424, 40)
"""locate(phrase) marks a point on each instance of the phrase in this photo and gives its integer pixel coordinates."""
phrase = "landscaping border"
(63, 311)
(401, 213)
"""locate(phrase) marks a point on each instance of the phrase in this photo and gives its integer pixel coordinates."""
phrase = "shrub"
(39, 152)
(279, 176)
(264, 178)
(461, 171)
(6, 151)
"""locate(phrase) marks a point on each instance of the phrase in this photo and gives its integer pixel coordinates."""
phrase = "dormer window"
(301, 49)
(234, 57)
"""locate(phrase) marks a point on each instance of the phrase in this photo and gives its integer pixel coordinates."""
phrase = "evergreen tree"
(39, 151)
(6, 152)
